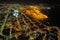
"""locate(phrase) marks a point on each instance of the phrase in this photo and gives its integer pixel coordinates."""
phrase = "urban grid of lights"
(24, 17)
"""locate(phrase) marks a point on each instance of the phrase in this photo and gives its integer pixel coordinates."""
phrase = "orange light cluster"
(34, 12)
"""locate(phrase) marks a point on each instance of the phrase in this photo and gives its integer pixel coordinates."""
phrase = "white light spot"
(16, 13)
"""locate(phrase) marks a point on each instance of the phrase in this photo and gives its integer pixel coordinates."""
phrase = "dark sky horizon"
(31, 1)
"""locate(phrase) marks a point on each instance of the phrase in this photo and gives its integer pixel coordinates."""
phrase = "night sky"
(54, 13)
(31, 1)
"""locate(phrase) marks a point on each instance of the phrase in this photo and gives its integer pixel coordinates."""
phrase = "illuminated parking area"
(33, 11)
